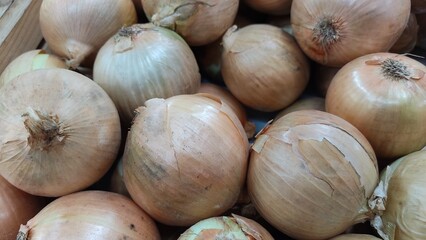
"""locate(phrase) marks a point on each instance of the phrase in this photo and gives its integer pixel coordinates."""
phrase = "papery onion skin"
(402, 190)
(76, 30)
(16, 207)
(408, 39)
(263, 66)
(28, 61)
(185, 158)
(144, 61)
(310, 175)
(91, 215)
(353, 236)
(272, 7)
(304, 103)
(224, 227)
(60, 132)
(198, 22)
(334, 32)
(383, 95)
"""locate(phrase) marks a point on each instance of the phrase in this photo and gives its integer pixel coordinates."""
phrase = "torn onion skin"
(311, 174)
(383, 95)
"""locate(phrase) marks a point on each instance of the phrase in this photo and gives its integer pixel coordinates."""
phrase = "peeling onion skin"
(402, 190)
(94, 215)
(224, 227)
(263, 66)
(185, 158)
(387, 107)
(353, 236)
(198, 22)
(334, 32)
(60, 132)
(311, 174)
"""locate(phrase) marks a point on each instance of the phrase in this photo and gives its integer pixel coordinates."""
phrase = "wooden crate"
(19, 28)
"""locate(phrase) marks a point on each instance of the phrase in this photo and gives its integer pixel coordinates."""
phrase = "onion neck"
(44, 130)
(77, 52)
(327, 31)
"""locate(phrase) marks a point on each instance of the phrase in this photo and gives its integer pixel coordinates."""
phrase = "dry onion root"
(60, 132)
(198, 22)
(311, 174)
(400, 199)
(235, 227)
(28, 61)
(76, 30)
(335, 32)
(95, 215)
(185, 158)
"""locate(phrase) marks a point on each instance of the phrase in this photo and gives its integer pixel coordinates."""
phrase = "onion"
(263, 66)
(185, 158)
(76, 30)
(142, 62)
(232, 102)
(418, 6)
(322, 76)
(60, 132)
(304, 103)
(400, 199)
(353, 236)
(116, 183)
(91, 215)
(224, 227)
(335, 32)
(28, 61)
(273, 7)
(383, 95)
(311, 174)
(198, 22)
(16, 207)
(407, 41)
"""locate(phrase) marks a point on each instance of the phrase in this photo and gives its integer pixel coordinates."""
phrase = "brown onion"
(60, 132)
(232, 102)
(224, 227)
(16, 207)
(400, 199)
(408, 39)
(198, 22)
(185, 158)
(94, 215)
(353, 236)
(28, 61)
(304, 103)
(335, 32)
(273, 7)
(311, 174)
(383, 95)
(144, 61)
(263, 66)
(76, 29)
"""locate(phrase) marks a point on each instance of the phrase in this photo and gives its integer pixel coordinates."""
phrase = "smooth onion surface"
(144, 61)
(384, 96)
(16, 207)
(94, 215)
(60, 132)
(185, 158)
(334, 32)
(263, 66)
(311, 174)
(400, 199)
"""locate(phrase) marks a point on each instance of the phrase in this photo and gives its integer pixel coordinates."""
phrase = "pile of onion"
(28, 61)
(384, 96)
(76, 29)
(311, 174)
(185, 158)
(144, 61)
(198, 22)
(400, 199)
(95, 215)
(60, 132)
(335, 32)
(224, 227)
(16, 207)
(263, 66)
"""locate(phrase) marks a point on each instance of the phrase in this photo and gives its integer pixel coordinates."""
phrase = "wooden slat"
(19, 29)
